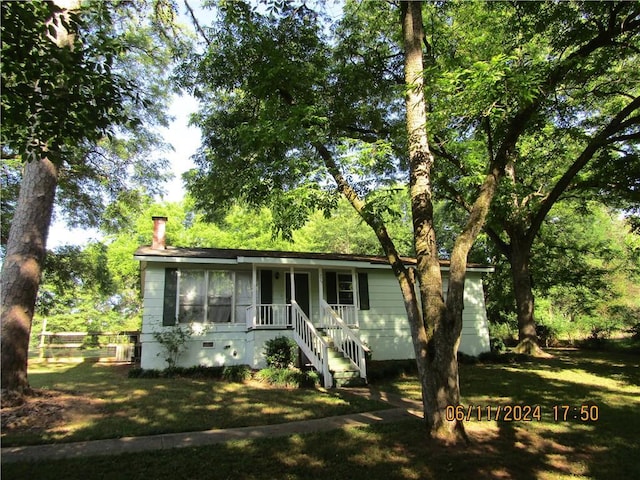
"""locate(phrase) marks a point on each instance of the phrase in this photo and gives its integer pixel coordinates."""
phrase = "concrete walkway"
(404, 408)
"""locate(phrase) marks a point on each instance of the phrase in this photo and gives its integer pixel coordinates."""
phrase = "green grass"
(135, 406)
(546, 449)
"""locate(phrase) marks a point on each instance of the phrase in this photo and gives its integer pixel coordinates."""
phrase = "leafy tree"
(291, 118)
(79, 293)
(557, 84)
(292, 115)
(344, 231)
(70, 108)
(589, 280)
(584, 268)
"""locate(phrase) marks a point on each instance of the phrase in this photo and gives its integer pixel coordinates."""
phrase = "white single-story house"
(340, 309)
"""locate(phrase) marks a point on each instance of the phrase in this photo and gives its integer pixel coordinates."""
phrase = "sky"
(185, 140)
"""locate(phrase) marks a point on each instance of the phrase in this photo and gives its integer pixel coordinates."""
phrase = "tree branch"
(376, 223)
(196, 23)
(602, 138)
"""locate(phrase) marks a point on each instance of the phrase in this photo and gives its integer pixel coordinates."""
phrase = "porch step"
(348, 378)
(344, 372)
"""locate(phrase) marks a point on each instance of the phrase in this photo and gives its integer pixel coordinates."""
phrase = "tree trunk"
(523, 290)
(436, 353)
(22, 269)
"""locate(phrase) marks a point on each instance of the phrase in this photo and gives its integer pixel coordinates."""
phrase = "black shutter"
(331, 283)
(266, 287)
(170, 291)
(363, 291)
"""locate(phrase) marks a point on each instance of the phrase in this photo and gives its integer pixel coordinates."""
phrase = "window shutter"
(266, 287)
(331, 283)
(170, 294)
(363, 291)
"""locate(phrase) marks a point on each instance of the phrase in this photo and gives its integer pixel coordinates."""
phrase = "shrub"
(506, 357)
(465, 359)
(635, 331)
(174, 342)
(497, 345)
(502, 335)
(288, 377)
(547, 335)
(280, 352)
(236, 373)
(198, 371)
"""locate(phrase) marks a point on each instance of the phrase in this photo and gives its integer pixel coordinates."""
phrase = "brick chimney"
(159, 236)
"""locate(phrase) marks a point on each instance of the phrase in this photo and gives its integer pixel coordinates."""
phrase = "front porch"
(321, 306)
(274, 288)
(279, 316)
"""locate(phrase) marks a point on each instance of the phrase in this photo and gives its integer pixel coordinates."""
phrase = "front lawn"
(549, 448)
(91, 401)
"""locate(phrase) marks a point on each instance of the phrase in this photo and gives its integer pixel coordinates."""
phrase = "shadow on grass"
(556, 446)
(389, 451)
(137, 407)
(606, 448)
(566, 445)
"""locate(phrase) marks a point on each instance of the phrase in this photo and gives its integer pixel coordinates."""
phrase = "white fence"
(106, 346)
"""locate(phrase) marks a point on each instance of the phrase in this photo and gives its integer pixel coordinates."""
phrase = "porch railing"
(269, 316)
(343, 337)
(311, 343)
(347, 313)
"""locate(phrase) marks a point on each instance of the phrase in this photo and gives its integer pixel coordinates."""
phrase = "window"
(202, 296)
(339, 287)
(219, 297)
(345, 289)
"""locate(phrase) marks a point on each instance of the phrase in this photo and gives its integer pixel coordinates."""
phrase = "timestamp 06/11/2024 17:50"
(523, 413)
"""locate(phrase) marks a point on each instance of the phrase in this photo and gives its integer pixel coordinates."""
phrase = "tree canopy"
(76, 116)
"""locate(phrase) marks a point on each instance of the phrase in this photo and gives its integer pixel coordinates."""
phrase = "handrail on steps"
(311, 343)
(344, 339)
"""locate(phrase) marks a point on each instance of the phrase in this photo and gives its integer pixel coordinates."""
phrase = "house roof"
(228, 255)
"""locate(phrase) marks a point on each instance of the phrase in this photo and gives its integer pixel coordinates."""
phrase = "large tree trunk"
(523, 291)
(22, 269)
(437, 363)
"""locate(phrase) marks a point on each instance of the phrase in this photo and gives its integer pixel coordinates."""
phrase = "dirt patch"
(46, 410)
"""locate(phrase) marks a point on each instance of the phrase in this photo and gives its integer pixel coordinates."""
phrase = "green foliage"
(144, 373)
(634, 330)
(503, 334)
(280, 352)
(80, 293)
(264, 118)
(586, 272)
(288, 377)
(173, 340)
(233, 373)
(91, 102)
(237, 373)
(55, 92)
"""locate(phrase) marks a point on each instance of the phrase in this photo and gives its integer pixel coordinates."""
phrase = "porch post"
(254, 295)
(356, 295)
(320, 294)
(293, 296)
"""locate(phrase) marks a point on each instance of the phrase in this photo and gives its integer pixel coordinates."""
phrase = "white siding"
(229, 340)
(386, 329)
(256, 342)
